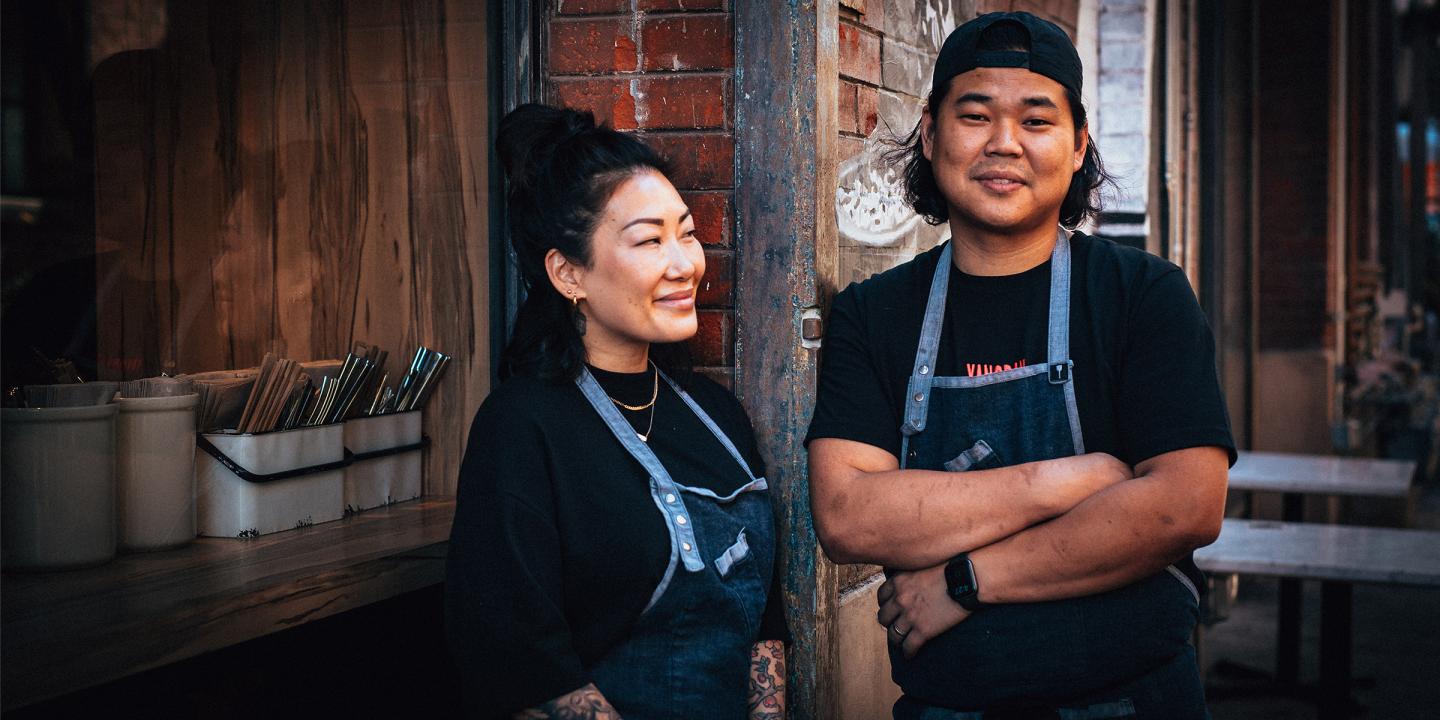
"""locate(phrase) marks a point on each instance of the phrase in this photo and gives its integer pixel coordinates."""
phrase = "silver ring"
(896, 630)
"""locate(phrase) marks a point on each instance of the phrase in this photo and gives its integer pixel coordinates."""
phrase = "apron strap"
(1058, 353)
(922, 374)
(677, 518)
(714, 430)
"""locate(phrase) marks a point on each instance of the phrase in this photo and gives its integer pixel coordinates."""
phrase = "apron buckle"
(1059, 373)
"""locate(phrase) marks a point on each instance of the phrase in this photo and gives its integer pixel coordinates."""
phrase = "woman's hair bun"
(529, 136)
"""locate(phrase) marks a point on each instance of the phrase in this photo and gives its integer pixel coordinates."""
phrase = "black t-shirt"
(557, 544)
(1145, 380)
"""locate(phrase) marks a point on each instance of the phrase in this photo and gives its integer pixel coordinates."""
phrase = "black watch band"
(960, 583)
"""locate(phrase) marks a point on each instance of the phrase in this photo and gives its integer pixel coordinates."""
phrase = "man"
(1024, 424)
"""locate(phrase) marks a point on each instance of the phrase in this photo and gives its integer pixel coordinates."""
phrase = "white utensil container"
(386, 476)
(229, 505)
(155, 471)
(57, 487)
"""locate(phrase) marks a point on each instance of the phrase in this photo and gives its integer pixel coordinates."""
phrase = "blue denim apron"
(689, 653)
(1122, 653)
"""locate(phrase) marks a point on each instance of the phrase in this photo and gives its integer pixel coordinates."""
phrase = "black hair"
(562, 168)
(1082, 200)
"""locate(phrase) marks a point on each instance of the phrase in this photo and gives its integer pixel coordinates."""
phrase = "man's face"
(1003, 147)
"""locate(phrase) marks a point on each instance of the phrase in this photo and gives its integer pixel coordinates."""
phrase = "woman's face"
(645, 268)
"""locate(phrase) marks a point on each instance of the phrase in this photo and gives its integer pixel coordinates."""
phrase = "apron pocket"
(733, 554)
(978, 453)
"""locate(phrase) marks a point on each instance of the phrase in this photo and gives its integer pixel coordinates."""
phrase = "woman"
(613, 547)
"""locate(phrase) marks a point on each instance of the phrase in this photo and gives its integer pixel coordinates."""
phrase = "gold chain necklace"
(645, 436)
(654, 395)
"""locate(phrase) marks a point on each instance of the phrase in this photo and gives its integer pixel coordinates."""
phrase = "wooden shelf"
(66, 631)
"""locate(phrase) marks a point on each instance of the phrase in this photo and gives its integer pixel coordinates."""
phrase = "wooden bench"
(1337, 556)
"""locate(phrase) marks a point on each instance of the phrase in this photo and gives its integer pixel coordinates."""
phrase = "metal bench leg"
(1287, 639)
(1335, 606)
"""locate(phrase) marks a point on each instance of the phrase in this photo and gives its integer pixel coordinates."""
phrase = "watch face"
(960, 578)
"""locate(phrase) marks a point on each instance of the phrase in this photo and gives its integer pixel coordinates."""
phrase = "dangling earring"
(579, 316)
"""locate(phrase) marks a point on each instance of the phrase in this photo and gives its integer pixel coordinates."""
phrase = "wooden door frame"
(515, 78)
(786, 128)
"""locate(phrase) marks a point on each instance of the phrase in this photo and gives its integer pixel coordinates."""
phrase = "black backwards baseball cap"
(1051, 53)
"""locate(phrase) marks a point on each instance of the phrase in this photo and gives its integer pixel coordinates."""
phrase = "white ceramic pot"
(155, 471)
(57, 488)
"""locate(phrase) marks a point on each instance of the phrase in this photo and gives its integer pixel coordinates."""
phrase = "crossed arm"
(1040, 531)
(765, 694)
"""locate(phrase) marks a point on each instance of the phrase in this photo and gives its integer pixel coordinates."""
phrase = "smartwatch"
(960, 583)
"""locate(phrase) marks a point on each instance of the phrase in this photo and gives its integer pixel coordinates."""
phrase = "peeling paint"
(642, 106)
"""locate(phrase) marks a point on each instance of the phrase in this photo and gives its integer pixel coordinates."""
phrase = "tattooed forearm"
(767, 680)
(584, 704)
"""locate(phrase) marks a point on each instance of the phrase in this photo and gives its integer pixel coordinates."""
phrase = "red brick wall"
(663, 69)
(1061, 12)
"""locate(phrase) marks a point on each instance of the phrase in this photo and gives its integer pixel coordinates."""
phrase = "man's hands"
(915, 607)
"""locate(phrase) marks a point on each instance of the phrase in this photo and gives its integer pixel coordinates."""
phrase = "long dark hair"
(562, 169)
(1082, 200)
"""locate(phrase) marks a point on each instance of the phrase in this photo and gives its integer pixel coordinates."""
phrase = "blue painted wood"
(782, 148)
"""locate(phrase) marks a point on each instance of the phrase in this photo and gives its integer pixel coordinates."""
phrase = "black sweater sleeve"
(504, 616)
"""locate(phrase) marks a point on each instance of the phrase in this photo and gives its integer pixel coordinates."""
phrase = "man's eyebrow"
(981, 98)
(1040, 101)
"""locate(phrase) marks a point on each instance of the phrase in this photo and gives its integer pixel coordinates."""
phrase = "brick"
(859, 53)
(713, 212)
(1120, 119)
(917, 23)
(848, 108)
(988, 6)
(609, 99)
(906, 68)
(685, 102)
(591, 7)
(899, 113)
(699, 42)
(591, 46)
(1061, 12)
(872, 16)
(674, 102)
(679, 5)
(701, 161)
(1117, 25)
(1121, 88)
(717, 288)
(866, 110)
(1122, 55)
(714, 345)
